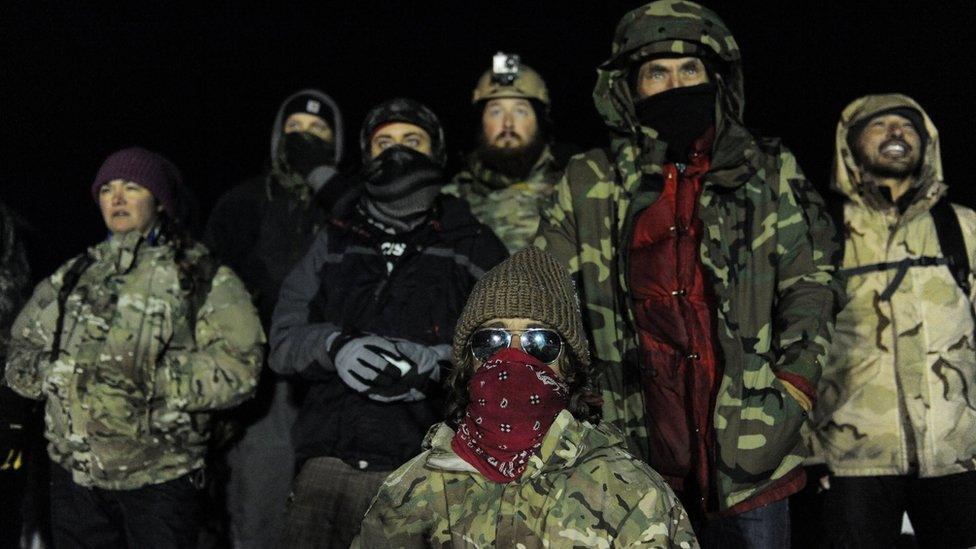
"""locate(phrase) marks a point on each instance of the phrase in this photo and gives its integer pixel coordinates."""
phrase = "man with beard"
(366, 320)
(512, 172)
(896, 416)
(703, 258)
(261, 228)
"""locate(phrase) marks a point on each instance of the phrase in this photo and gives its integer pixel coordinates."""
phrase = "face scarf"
(401, 185)
(680, 116)
(303, 152)
(514, 399)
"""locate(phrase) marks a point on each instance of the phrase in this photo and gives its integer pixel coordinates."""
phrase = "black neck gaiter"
(401, 185)
(680, 116)
(304, 152)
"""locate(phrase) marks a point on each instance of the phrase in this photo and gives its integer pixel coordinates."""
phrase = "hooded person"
(365, 321)
(703, 260)
(896, 414)
(261, 228)
(522, 460)
(133, 345)
(512, 173)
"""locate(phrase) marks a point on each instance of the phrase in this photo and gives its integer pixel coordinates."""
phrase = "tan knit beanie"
(530, 284)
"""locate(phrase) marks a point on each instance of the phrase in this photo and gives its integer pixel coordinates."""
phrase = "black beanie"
(908, 113)
(309, 104)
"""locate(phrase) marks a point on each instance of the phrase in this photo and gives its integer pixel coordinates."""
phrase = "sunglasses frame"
(521, 333)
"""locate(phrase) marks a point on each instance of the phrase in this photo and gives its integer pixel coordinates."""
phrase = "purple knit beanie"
(149, 169)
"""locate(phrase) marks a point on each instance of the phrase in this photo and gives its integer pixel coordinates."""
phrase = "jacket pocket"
(769, 429)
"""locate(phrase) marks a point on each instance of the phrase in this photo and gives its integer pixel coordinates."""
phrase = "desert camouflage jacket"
(509, 207)
(767, 246)
(581, 490)
(128, 395)
(899, 386)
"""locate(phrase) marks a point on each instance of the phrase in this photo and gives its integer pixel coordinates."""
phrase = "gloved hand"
(389, 370)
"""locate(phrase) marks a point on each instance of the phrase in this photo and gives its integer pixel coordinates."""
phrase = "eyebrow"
(693, 64)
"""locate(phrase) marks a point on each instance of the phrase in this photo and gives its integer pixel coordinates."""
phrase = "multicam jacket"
(581, 490)
(899, 386)
(509, 207)
(767, 247)
(128, 396)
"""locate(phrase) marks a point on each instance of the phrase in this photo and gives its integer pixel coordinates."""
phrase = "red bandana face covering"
(514, 399)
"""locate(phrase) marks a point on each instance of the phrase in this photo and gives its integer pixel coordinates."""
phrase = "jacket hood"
(277, 130)
(675, 27)
(846, 178)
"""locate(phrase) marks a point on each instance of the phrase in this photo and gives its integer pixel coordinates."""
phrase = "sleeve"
(807, 288)
(29, 351)
(222, 368)
(394, 518)
(657, 521)
(557, 228)
(297, 342)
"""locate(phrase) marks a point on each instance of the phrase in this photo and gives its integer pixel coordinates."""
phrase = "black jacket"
(344, 284)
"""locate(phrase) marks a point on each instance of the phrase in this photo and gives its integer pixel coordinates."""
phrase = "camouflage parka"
(127, 398)
(509, 207)
(767, 248)
(580, 490)
(899, 386)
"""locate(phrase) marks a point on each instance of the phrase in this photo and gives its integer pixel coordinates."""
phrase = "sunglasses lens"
(544, 345)
(485, 343)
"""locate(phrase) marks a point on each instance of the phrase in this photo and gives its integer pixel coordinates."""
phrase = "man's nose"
(508, 120)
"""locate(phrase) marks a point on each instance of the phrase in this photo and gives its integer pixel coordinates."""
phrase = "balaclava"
(401, 183)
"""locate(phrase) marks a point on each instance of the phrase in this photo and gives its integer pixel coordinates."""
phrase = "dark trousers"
(766, 527)
(867, 511)
(328, 503)
(159, 515)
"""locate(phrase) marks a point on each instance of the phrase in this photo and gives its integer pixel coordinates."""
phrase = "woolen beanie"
(530, 284)
(149, 169)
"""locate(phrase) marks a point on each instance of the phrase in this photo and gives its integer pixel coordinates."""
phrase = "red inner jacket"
(673, 303)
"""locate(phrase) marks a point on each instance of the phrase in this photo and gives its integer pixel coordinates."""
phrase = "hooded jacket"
(898, 388)
(767, 248)
(581, 489)
(510, 207)
(263, 226)
(129, 396)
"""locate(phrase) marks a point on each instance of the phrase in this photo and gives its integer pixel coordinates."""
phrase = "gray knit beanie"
(530, 284)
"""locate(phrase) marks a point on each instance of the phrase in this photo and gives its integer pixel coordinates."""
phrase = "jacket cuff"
(799, 389)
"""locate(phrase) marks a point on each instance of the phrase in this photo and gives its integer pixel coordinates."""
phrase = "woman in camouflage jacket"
(500, 477)
(131, 345)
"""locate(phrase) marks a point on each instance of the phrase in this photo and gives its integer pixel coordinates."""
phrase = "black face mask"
(401, 185)
(304, 152)
(680, 116)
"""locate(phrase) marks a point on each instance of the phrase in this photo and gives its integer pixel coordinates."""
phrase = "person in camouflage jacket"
(131, 344)
(766, 247)
(512, 173)
(896, 415)
(578, 487)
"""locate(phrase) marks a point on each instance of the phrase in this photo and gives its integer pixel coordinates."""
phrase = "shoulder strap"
(951, 242)
(68, 283)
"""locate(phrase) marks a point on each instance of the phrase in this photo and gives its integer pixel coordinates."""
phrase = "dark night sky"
(201, 84)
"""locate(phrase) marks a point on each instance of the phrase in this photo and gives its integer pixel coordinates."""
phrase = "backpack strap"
(951, 242)
(68, 283)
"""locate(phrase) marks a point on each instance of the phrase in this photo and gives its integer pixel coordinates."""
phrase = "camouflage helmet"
(528, 84)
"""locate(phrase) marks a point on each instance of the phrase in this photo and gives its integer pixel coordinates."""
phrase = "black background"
(202, 83)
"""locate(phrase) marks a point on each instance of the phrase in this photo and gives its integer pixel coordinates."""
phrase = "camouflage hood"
(673, 27)
(847, 178)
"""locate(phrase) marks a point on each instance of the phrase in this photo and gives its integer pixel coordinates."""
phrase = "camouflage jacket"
(581, 490)
(767, 246)
(899, 386)
(509, 207)
(127, 398)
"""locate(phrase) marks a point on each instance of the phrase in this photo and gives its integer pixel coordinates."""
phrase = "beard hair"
(514, 162)
(892, 171)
